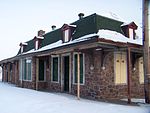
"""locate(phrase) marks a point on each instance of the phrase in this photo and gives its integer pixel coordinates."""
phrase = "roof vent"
(81, 15)
(53, 27)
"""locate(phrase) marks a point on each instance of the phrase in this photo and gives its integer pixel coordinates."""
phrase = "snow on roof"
(112, 15)
(23, 43)
(72, 25)
(117, 37)
(124, 24)
(60, 43)
(39, 37)
(106, 34)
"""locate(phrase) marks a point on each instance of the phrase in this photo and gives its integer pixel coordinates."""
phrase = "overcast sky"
(21, 19)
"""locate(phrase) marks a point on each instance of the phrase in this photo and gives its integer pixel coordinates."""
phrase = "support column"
(78, 78)
(129, 74)
(37, 72)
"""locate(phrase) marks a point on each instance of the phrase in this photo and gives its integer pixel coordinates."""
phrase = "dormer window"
(22, 46)
(129, 29)
(37, 42)
(67, 32)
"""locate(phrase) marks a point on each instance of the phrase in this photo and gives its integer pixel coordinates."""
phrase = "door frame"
(62, 71)
(44, 61)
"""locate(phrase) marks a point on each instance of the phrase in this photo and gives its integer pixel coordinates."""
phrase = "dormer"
(129, 30)
(67, 32)
(22, 47)
(38, 39)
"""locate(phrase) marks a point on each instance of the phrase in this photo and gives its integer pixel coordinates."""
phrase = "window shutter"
(141, 71)
(118, 68)
(123, 68)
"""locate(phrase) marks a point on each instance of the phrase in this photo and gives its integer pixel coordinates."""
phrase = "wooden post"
(146, 51)
(128, 74)
(78, 76)
(21, 73)
(37, 72)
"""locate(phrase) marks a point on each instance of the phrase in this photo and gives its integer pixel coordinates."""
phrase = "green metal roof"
(87, 25)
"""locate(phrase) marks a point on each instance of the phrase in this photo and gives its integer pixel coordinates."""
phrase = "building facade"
(103, 54)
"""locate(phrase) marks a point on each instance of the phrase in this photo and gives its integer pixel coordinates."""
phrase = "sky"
(21, 19)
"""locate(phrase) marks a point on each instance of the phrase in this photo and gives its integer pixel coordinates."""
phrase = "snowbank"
(20, 100)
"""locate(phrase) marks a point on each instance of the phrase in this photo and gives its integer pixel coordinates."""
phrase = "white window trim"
(55, 56)
(115, 68)
(27, 70)
(75, 53)
(22, 77)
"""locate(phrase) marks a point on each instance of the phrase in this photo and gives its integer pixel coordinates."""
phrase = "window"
(141, 71)
(120, 68)
(55, 68)
(25, 69)
(131, 34)
(66, 35)
(75, 67)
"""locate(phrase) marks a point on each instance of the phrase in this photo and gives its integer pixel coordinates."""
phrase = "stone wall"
(100, 83)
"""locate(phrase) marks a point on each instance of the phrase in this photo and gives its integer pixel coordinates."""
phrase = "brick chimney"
(41, 33)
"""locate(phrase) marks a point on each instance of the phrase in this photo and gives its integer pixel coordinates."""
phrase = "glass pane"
(29, 71)
(66, 37)
(55, 69)
(75, 68)
(81, 68)
(41, 70)
(24, 70)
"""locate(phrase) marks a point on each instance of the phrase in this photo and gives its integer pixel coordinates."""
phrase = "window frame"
(45, 67)
(55, 56)
(75, 53)
(23, 71)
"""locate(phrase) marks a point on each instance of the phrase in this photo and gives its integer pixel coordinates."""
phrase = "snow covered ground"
(0, 73)
(20, 100)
